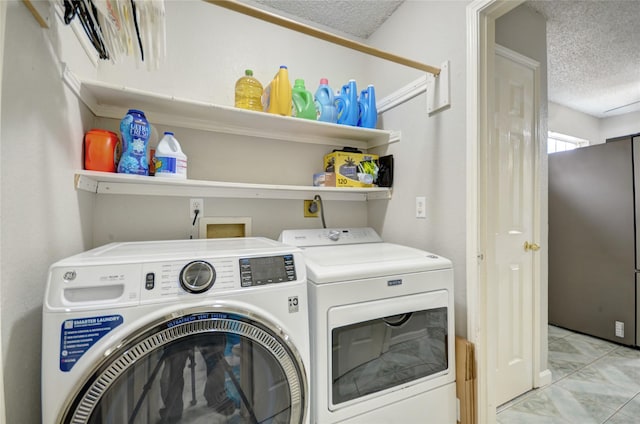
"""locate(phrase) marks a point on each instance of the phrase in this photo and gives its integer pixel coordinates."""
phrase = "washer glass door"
(201, 367)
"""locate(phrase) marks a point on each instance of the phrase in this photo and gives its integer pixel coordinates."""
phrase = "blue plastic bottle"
(325, 103)
(135, 131)
(347, 104)
(368, 110)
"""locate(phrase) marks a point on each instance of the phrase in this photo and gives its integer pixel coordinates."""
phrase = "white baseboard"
(544, 378)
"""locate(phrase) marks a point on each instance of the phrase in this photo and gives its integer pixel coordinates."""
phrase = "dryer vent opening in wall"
(225, 227)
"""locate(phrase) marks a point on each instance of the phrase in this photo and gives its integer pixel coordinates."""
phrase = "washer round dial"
(197, 276)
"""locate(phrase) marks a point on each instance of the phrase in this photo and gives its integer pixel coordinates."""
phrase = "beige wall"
(3, 20)
(43, 217)
(431, 158)
(568, 121)
(620, 125)
(597, 130)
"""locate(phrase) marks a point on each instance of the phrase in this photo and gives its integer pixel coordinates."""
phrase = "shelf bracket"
(439, 90)
(83, 182)
(386, 195)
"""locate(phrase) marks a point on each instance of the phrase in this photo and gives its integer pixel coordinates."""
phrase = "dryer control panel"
(329, 236)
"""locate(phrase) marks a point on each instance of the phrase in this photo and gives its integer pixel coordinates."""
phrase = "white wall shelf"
(113, 183)
(112, 101)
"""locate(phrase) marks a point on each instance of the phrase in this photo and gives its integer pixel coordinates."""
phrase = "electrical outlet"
(421, 207)
(193, 205)
(308, 208)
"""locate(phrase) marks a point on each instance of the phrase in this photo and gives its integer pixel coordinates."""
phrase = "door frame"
(481, 17)
(3, 26)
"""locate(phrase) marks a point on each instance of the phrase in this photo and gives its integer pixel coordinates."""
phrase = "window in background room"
(557, 142)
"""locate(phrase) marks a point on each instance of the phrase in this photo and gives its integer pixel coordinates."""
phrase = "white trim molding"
(403, 94)
(481, 16)
(3, 26)
(438, 91)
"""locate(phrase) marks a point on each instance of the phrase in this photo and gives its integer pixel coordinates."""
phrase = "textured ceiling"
(360, 18)
(593, 45)
(593, 54)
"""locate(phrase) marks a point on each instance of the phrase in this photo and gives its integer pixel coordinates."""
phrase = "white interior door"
(511, 156)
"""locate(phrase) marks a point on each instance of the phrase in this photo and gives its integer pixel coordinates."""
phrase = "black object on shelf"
(385, 171)
(348, 150)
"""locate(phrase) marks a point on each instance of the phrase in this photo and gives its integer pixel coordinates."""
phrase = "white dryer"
(187, 331)
(382, 329)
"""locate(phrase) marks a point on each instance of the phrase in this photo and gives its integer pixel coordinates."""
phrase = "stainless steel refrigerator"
(594, 240)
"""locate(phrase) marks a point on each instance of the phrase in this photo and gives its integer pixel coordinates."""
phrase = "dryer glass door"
(381, 345)
(201, 367)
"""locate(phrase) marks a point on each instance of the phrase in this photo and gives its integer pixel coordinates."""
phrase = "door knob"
(531, 246)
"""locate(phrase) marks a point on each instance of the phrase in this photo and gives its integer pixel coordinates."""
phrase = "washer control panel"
(267, 270)
(216, 274)
(165, 280)
(132, 273)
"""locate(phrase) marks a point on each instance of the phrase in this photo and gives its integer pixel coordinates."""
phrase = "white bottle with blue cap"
(169, 159)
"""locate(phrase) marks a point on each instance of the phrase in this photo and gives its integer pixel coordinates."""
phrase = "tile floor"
(594, 381)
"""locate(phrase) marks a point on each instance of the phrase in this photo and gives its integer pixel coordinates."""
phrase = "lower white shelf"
(112, 183)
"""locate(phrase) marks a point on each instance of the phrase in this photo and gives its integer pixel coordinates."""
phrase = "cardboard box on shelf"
(466, 380)
(324, 179)
(345, 167)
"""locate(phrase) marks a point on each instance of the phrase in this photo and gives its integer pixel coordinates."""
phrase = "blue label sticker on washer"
(78, 336)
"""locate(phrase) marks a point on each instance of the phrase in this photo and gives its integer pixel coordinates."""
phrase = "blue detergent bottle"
(368, 111)
(135, 131)
(325, 103)
(347, 104)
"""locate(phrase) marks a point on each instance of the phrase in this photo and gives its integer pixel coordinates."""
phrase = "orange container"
(102, 150)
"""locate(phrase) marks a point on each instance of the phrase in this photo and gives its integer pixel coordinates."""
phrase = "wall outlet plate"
(421, 207)
(196, 204)
(307, 212)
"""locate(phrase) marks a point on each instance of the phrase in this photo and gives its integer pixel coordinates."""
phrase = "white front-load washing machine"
(188, 331)
(382, 329)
